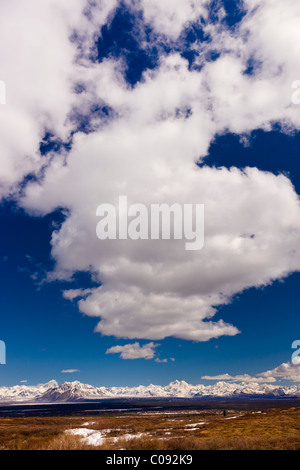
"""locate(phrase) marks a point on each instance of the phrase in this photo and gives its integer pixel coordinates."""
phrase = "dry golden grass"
(67, 442)
(277, 429)
(32, 433)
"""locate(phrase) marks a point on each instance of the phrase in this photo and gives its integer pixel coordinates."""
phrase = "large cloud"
(154, 289)
(146, 149)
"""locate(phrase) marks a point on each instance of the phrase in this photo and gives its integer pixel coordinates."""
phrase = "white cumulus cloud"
(286, 371)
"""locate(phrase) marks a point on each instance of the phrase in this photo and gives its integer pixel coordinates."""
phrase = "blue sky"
(163, 103)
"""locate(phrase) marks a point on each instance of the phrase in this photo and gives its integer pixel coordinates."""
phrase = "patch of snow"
(96, 438)
(194, 424)
(89, 436)
(128, 437)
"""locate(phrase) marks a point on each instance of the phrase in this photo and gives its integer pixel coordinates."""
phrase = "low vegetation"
(277, 429)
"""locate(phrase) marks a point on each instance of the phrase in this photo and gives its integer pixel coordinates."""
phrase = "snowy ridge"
(25, 393)
(51, 392)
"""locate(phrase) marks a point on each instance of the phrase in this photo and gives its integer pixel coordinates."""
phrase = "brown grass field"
(271, 429)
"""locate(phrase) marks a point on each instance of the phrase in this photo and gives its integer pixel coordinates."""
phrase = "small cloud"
(69, 371)
(238, 378)
(161, 360)
(72, 294)
(23, 381)
(29, 258)
(172, 359)
(134, 351)
(286, 371)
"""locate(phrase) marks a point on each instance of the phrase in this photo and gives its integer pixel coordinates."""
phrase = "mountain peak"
(51, 383)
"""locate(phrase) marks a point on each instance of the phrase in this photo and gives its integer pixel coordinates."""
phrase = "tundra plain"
(240, 428)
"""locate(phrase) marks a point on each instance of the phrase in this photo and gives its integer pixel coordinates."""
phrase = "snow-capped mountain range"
(52, 392)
